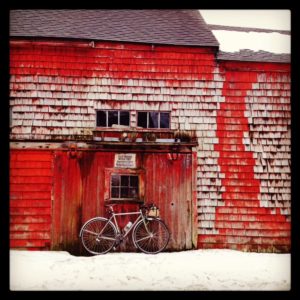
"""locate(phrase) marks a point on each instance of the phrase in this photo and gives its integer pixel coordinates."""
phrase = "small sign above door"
(125, 160)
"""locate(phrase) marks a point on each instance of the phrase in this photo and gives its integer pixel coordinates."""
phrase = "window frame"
(148, 113)
(119, 117)
(130, 172)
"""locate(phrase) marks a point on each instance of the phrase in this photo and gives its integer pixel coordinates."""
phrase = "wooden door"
(80, 189)
(169, 185)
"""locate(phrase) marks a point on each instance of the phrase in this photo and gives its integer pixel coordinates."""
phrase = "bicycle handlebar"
(147, 206)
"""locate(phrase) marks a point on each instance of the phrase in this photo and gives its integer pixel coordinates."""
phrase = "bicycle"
(150, 234)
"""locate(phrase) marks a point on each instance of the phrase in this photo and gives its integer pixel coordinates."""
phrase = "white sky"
(234, 41)
(271, 19)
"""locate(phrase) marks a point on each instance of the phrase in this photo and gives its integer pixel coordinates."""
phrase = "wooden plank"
(21, 219)
(31, 172)
(33, 244)
(34, 156)
(30, 211)
(26, 195)
(194, 200)
(57, 201)
(32, 227)
(30, 203)
(30, 187)
(188, 196)
(25, 164)
(67, 199)
(34, 235)
(31, 179)
(92, 168)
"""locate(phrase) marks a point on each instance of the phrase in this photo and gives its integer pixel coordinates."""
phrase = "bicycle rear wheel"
(152, 236)
(98, 235)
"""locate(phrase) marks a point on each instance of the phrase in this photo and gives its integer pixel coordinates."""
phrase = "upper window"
(153, 119)
(108, 118)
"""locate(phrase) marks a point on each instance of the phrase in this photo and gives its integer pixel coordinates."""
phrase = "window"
(108, 118)
(153, 119)
(124, 186)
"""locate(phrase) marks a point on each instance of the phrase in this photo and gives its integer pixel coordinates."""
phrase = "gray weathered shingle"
(173, 27)
(255, 56)
(246, 29)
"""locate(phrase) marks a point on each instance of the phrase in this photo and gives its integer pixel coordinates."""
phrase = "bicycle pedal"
(116, 246)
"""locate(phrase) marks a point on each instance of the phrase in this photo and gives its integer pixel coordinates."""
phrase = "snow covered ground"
(188, 270)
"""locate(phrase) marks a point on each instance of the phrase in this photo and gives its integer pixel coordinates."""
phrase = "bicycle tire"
(158, 239)
(91, 240)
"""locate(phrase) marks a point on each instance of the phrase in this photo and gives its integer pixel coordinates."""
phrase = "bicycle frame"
(115, 221)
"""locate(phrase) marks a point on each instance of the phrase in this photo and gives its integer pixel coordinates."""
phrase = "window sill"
(143, 136)
(132, 134)
(131, 129)
(124, 201)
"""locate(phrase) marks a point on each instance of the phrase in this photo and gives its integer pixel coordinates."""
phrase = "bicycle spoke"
(152, 239)
(91, 232)
(107, 238)
(144, 238)
(98, 236)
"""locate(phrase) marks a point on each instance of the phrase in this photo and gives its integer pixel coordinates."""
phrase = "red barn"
(134, 106)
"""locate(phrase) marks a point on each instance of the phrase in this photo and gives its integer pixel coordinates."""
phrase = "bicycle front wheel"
(151, 236)
(98, 235)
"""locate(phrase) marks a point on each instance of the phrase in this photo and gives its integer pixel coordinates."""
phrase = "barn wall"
(56, 88)
(53, 195)
(31, 181)
(253, 127)
(241, 178)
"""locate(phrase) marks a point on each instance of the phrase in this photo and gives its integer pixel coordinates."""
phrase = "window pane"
(101, 118)
(115, 192)
(134, 181)
(142, 119)
(124, 192)
(164, 120)
(124, 186)
(125, 181)
(112, 118)
(115, 180)
(124, 118)
(153, 120)
(133, 193)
